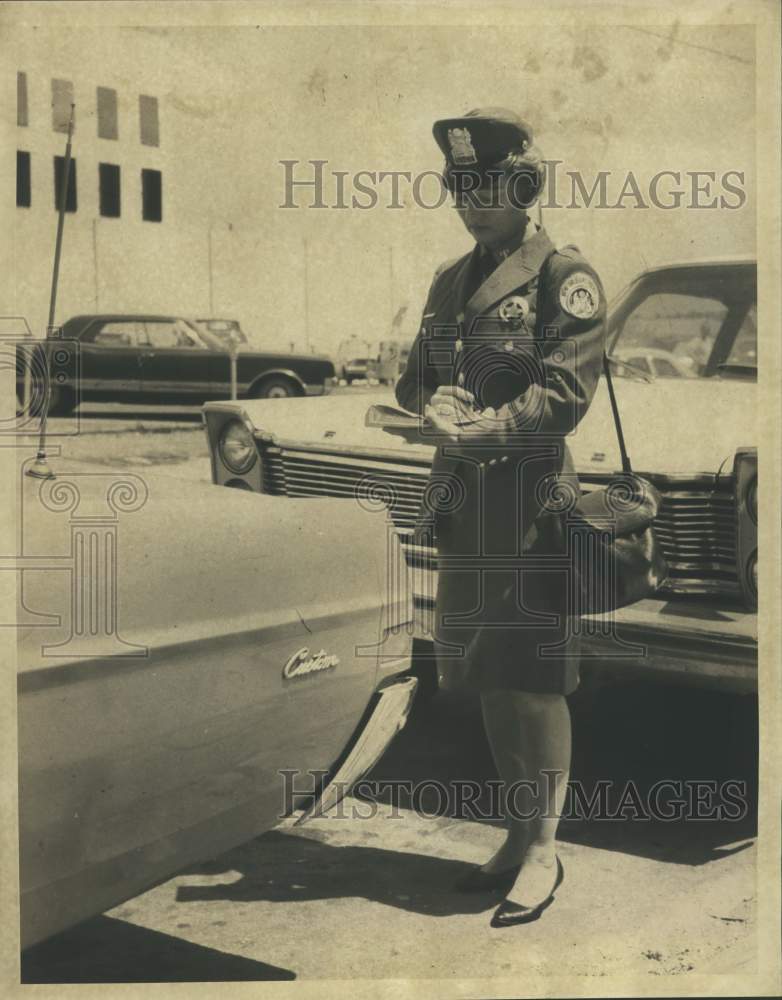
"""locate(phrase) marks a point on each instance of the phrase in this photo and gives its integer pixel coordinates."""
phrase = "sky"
(363, 98)
(236, 101)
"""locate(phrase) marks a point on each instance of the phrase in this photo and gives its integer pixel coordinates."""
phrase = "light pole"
(40, 468)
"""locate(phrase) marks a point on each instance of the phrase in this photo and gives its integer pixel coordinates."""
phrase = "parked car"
(354, 369)
(390, 361)
(692, 437)
(168, 359)
(353, 359)
(178, 650)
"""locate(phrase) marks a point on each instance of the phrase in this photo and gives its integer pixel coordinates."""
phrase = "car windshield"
(689, 322)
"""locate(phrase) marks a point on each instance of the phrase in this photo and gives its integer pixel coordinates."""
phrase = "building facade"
(136, 234)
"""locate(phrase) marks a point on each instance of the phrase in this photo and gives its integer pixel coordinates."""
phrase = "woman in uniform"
(505, 365)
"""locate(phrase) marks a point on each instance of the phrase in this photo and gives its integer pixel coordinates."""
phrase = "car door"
(111, 360)
(176, 365)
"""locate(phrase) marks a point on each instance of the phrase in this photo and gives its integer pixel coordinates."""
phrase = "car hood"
(673, 426)
(330, 421)
(193, 563)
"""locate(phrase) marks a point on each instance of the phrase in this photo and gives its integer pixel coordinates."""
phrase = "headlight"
(237, 447)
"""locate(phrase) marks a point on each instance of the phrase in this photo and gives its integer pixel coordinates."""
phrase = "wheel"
(275, 388)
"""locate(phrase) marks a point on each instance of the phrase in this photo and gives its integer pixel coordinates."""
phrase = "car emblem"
(301, 663)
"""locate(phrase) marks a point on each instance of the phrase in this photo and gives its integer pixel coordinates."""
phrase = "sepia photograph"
(391, 597)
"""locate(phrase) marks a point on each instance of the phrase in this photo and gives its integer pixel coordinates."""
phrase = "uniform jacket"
(515, 341)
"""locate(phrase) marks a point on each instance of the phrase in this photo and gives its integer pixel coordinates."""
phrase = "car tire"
(277, 387)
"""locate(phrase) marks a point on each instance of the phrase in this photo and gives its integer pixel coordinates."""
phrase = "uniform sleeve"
(568, 360)
(418, 382)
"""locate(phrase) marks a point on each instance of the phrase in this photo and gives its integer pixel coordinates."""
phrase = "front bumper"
(692, 641)
(318, 388)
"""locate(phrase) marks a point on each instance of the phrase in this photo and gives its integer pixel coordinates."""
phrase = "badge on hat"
(579, 295)
(462, 149)
(514, 310)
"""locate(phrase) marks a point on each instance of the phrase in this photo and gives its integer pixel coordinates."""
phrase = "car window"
(664, 368)
(172, 334)
(685, 325)
(638, 360)
(118, 333)
(745, 346)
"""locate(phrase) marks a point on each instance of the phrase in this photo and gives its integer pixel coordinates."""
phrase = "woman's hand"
(452, 406)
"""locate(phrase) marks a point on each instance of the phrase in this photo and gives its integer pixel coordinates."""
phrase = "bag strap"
(626, 467)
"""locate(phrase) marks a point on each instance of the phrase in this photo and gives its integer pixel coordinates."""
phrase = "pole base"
(40, 469)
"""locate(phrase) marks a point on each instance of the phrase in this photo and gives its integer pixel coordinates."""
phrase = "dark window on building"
(62, 99)
(151, 196)
(148, 121)
(59, 168)
(109, 181)
(21, 99)
(23, 189)
(107, 113)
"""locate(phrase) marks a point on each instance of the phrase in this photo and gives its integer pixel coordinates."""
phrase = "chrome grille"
(696, 524)
(697, 531)
(294, 473)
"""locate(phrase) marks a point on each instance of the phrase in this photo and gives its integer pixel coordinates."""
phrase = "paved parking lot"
(373, 897)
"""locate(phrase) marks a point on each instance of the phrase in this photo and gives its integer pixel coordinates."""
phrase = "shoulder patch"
(579, 295)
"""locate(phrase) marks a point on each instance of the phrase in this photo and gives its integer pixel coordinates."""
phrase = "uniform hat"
(481, 138)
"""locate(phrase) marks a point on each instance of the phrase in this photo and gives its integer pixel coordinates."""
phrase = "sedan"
(188, 662)
(165, 360)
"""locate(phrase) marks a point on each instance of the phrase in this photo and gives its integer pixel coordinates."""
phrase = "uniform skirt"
(501, 610)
